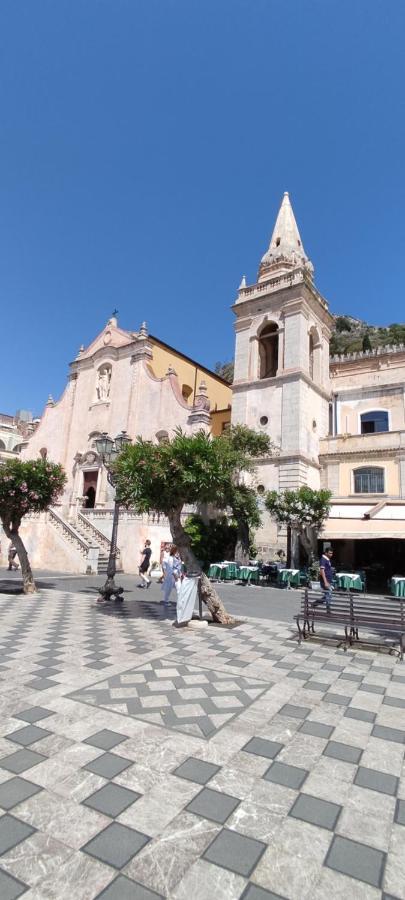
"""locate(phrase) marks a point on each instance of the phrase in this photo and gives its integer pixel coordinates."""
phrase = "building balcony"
(342, 445)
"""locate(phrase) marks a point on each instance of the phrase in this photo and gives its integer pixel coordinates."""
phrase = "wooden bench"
(385, 615)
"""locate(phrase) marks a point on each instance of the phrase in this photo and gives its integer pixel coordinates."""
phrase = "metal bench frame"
(353, 612)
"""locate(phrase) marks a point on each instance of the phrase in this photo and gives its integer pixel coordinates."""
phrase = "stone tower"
(281, 382)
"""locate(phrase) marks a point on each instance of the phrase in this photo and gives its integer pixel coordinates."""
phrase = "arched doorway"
(89, 488)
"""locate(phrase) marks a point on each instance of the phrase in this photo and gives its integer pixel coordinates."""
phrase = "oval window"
(264, 420)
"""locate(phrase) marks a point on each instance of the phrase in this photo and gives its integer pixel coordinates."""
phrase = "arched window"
(314, 354)
(2, 445)
(268, 350)
(186, 392)
(377, 420)
(369, 480)
(311, 355)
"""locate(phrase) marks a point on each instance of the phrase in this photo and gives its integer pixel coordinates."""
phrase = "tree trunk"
(207, 591)
(242, 543)
(11, 531)
(308, 540)
(288, 561)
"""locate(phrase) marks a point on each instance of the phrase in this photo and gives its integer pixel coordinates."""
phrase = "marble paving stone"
(21, 760)
(361, 714)
(397, 702)
(253, 892)
(289, 776)
(12, 832)
(10, 889)
(316, 811)
(255, 821)
(205, 881)
(28, 735)
(34, 714)
(376, 781)
(278, 871)
(15, 791)
(262, 747)
(87, 875)
(340, 887)
(213, 805)
(388, 734)
(196, 770)
(116, 845)
(319, 686)
(357, 860)
(296, 712)
(360, 825)
(105, 739)
(35, 858)
(123, 888)
(234, 851)
(316, 729)
(345, 752)
(400, 812)
(42, 684)
(111, 800)
(339, 699)
(108, 765)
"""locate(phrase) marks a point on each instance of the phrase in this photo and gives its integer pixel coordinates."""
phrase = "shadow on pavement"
(11, 586)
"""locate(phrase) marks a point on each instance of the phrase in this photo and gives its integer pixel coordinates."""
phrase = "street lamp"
(109, 450)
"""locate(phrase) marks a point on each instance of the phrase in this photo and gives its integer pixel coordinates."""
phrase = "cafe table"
(398, 585)
(347, 580)
(289, 577)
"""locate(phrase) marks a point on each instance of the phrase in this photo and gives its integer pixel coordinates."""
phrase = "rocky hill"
(352, 334)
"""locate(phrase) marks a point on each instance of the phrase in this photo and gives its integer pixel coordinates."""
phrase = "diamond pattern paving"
(183, 697)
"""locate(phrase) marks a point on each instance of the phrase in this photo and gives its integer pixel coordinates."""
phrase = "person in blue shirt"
(325, 578)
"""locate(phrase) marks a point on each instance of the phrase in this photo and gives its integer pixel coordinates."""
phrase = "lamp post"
(109, 450)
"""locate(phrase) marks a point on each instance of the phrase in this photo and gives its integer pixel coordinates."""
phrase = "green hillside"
(352, 334)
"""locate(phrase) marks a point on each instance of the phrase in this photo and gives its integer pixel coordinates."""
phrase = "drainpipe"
(335, 422)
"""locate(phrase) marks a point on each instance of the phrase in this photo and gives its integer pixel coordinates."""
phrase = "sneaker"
(148, 585)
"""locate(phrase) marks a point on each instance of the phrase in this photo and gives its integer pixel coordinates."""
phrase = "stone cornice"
(285, 377)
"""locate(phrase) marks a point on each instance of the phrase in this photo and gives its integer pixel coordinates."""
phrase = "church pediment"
(110, 337)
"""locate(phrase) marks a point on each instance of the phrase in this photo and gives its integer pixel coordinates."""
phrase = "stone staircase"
(91, 534)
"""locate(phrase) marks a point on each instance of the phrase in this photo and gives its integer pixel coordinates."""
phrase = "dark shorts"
(143, 569)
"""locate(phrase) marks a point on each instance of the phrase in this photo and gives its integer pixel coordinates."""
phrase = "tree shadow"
(11, 586)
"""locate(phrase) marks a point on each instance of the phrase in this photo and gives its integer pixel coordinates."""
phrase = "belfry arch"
(268, 350)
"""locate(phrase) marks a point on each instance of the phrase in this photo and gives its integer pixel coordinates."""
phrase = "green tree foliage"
(303, 510)
(189, 469)
(366, 343)
(210, 541)
(225, 370)
(27, 486)
(342, 323)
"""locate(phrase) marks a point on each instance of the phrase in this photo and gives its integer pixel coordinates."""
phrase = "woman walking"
(172, 574)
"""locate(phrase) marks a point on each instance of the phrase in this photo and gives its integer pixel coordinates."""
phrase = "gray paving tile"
(111, 800)
(253, 892)
(399, 679)
(400, 812)
(105, 739)
(213, 805)
(330, 667)
(376, 781)
(301, 676)
(261, 747)
(363, 715)
(34, 714)
(372, 688)
(356, 860)
(196, 770)
(345, 752)
(10, 888)
(397, 702)
(98, 665)
(339, 699)
(316, 811)
(15, 790)
(123, 888)
(317, 729)
(12, 832)
(47, 672)
(116, 845)
(108, 765)
(42, 684)
(319, 686)
(21, 760)
(28, 735)
(296, 712)
(234, 851)
(388, 734)
(349, 676)
(289, 776)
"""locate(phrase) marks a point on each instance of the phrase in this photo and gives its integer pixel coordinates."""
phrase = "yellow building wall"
(190, 374)
(391, 478)
(219, 421)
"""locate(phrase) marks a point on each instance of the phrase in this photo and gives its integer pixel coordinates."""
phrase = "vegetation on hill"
(350, 335)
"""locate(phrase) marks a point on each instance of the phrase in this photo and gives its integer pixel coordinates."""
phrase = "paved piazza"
(139, 761)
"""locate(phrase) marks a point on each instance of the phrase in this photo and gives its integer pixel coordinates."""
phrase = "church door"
(89, 488)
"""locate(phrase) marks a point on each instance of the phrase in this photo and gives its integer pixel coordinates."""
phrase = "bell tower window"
(268, 351)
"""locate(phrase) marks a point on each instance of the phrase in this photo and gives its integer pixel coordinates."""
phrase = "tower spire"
(286, 250)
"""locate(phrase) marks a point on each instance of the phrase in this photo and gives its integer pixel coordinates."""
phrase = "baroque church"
(335, 422)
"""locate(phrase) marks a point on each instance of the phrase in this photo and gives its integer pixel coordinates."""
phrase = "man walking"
(325, 578)
(145, 563)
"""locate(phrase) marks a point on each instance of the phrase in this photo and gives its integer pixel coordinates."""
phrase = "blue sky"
(144, 149)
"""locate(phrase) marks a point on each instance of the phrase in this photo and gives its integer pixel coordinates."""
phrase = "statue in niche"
(103, 383)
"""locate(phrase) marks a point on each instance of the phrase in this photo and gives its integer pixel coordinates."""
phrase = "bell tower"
(281, 381)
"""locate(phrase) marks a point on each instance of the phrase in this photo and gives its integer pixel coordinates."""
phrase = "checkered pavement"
(140, 761)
